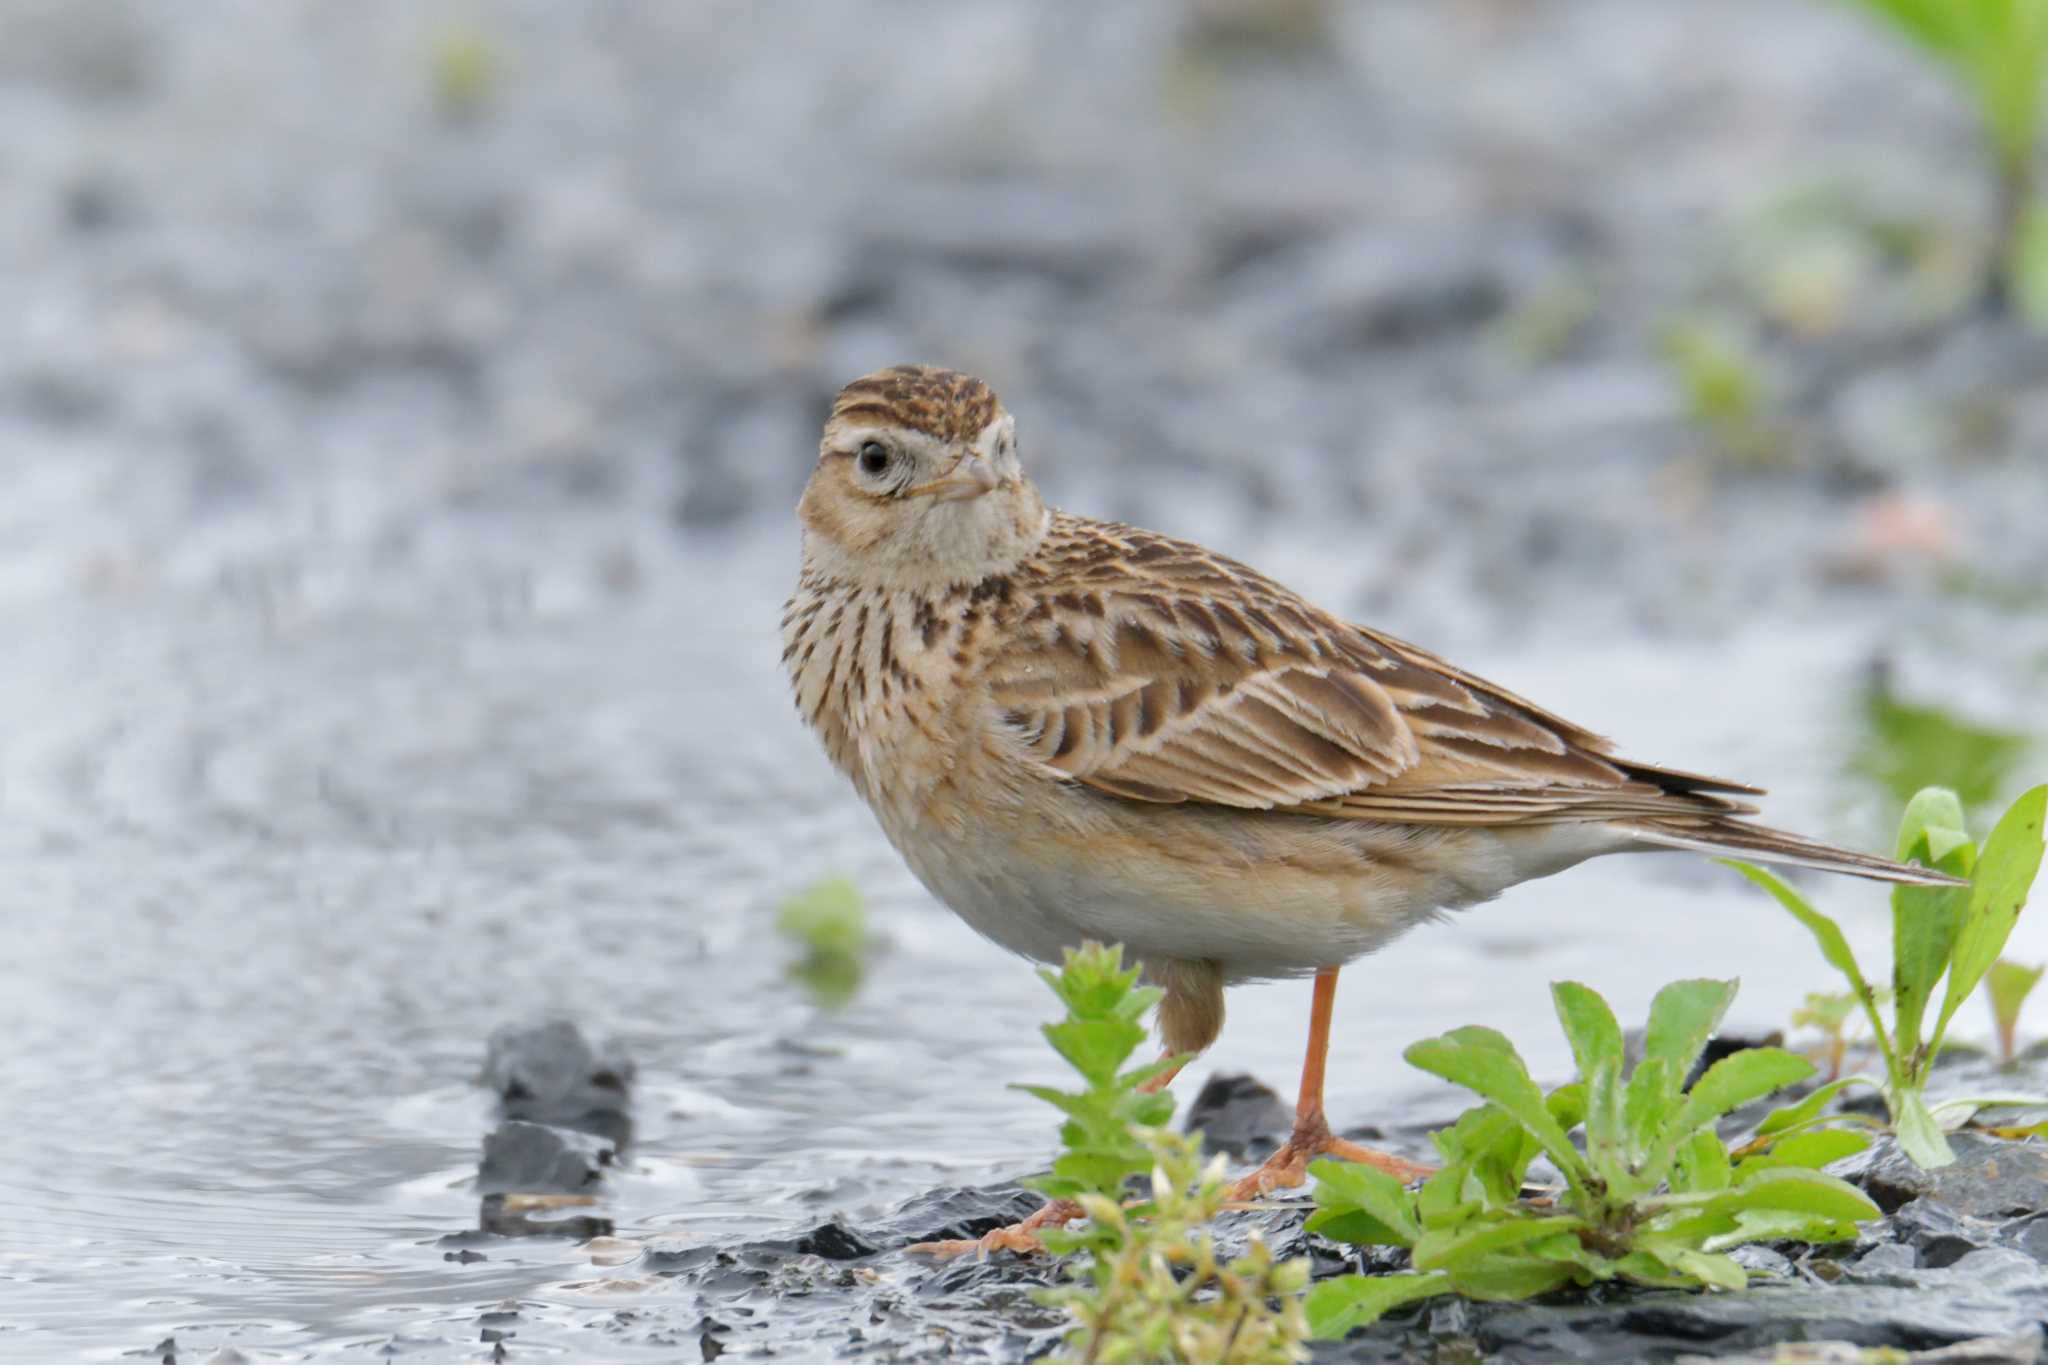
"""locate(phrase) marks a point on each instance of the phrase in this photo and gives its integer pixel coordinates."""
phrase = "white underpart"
(1256, 920)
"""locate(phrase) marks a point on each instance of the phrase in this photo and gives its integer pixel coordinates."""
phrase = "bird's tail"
(1736, 838)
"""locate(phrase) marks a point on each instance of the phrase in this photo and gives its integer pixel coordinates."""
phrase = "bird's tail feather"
(1740, 839)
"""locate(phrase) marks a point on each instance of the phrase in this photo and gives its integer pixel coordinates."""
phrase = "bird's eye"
(874, 458)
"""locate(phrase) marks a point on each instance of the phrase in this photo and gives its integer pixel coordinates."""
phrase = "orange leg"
(1018, 1237)
(1164, 1078)
(1312, 1137)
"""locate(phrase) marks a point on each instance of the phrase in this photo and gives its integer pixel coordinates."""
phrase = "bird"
(1073, 729)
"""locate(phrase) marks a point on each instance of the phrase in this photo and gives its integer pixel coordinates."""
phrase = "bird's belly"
(1262, 895)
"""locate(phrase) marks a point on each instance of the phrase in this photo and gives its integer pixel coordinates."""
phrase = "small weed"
(827, 922)
(1722, 384)
(1833, 1017)
(1654, 1197)
(1547, 324)
(464, 66)
(1148, 1284)
(1938, 932)
(2007, 985)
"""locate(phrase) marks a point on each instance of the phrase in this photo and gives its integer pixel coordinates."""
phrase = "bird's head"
(918, 484)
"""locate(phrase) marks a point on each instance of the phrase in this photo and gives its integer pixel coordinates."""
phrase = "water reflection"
(1903, 746)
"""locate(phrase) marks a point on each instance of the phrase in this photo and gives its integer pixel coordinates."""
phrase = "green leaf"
(1812, 1150)
(1503, 1278)
(1646, 1107)
(1443, 1199)
(1807, 1109)
(1095, 1047)
(1336, 1306)
(1925, 918)
(1495, 1150)
(1933, 817)
(1702, 1164)
(1920, 1137)
(1833, 946)
(1775, 1225)
(2005, 872)
(1590, 1027)
(1776, 1187)
(1353, 1197)
(1734, 1081)
(1708, 1269)
(1645, 1267)
(2009, 983)
(1486, 1063)
(1683, 1016)
(1463, 1248)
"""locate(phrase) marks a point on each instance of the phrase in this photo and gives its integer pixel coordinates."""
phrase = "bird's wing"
(1157, 671)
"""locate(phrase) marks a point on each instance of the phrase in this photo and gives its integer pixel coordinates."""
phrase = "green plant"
(464, 64)
(1833, 1017)
(2007, 985)
(827, 922)
(1952, 932)
(1653, 1197)
(1721, 381)
(1999, 50)
(1152, 1287)
(1148, 1283)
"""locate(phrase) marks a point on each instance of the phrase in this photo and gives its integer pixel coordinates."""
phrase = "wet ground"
(399, 413)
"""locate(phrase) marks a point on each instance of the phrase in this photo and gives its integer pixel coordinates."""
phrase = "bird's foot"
(1310, 1139)
(1021, 1237)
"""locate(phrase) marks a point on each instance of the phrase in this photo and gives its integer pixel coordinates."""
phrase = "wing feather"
(1154, 670)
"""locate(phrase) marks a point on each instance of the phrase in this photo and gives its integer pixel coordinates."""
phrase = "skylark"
(1074, 729)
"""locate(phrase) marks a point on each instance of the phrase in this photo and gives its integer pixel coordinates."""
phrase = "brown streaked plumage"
(1077, 729)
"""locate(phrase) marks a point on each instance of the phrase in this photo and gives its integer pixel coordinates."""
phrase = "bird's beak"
(971, 477)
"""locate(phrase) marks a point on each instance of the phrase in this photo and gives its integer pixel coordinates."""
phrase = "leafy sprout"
(2007, 985)
(826, 921)
(1833, 1016)
(1944, 939)
(1149, 1284)
(1652, 1196)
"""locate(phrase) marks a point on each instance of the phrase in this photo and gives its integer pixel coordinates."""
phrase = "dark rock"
(835, 1242)
(1890, 1263)
(535, 1158)
(2021, 1348)
(1997, 1292)
(1235, 1111)
(1762, 1260)
(1991, 1177)
(549, 1073)
(954, 1213)
(1938, 1234)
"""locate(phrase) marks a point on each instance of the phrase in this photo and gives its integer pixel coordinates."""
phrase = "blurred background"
(402, 408)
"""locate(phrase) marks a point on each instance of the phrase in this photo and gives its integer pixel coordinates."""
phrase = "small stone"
(1232, 1112)
(835, 1242)
(528, 1158)
(1991, 1177)
(1939, 1234)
